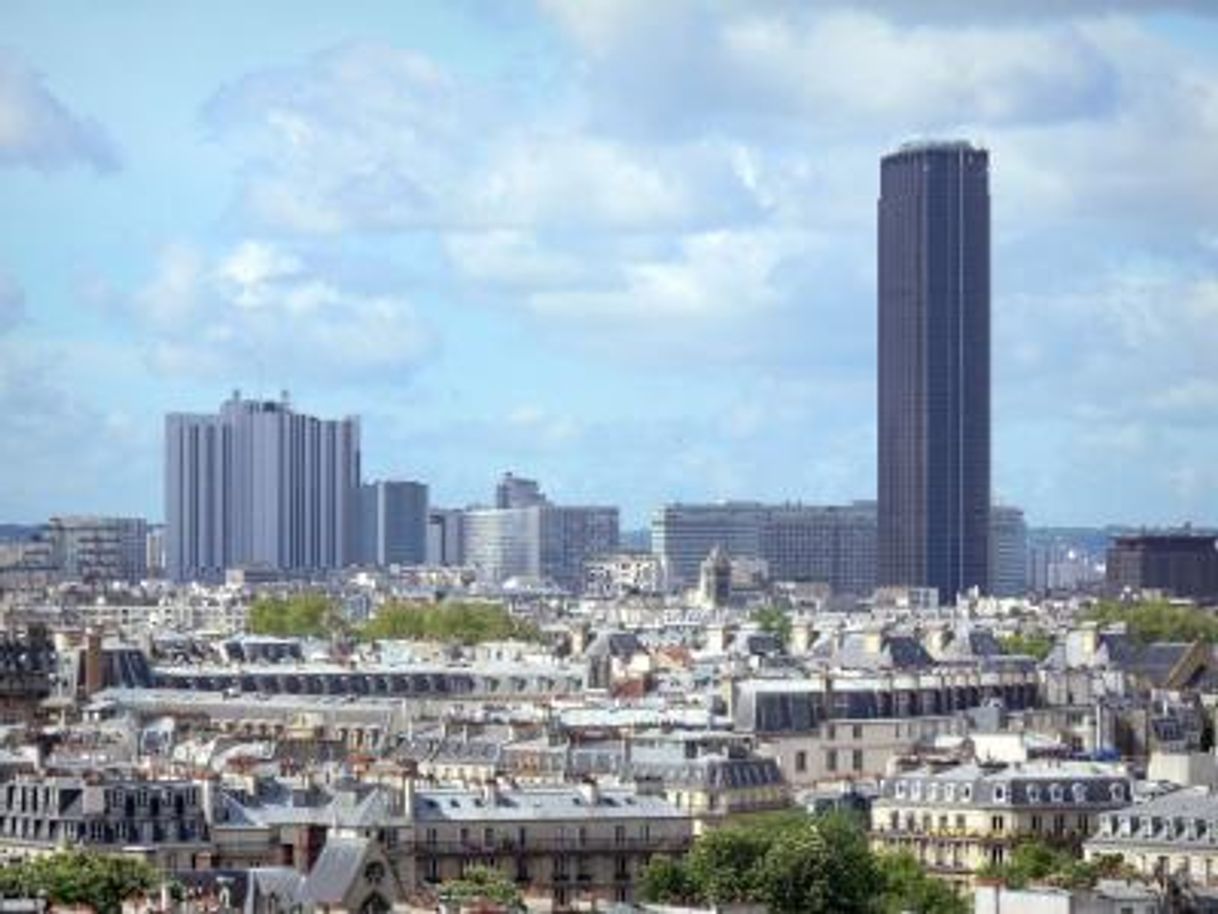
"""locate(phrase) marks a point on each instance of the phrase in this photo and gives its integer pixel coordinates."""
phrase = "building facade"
(542, 542)
(258, 484)
(444, 537)
(1008, 551)
(99, 548)
(1183, 565)
(959, 820)
(934, 367)
(831, 544)
(393, 519)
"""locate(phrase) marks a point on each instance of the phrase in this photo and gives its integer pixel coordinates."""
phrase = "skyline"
(499, 234)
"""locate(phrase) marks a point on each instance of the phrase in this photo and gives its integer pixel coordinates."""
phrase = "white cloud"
(261, 306)
(39, 131)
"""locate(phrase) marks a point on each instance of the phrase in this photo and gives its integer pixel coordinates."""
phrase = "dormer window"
(1033, 793)
(1117, 791)
(949, 793)
(1000, 793)
(1079, 793)
(915, 790)
(899, 790)
(1056, 793)
(966, 792)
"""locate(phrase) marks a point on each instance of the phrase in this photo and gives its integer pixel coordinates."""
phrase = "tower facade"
(934, 367)
(258, 484)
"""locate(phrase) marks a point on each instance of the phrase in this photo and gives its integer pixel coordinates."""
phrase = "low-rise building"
(1175, 834)
(957, 820)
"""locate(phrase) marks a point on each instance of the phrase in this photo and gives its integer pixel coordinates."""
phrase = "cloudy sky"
(627, 246)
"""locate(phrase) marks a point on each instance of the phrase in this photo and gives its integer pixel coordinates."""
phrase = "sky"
(626, 247)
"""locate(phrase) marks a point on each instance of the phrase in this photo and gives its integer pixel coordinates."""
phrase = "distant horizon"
(628, 249)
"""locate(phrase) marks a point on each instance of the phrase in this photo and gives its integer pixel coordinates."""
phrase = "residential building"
(1008, 551)
(393, 523)
(960, 819)
(575, 845)
(1180, 564)
(934, 367)
(258, 484)
(161, 821)
(1173, 835)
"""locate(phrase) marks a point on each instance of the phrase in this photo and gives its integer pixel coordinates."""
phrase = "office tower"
(934, 367)
(444, 545)
(393, 523)
(518, 492)
(1008, 552)
(542, 542)
(259, 485)
(830, 544)
(684, 535)
(99, 548)
(1182, 564)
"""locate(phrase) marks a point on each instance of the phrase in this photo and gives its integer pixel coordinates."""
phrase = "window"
(1033, 793)
(831, 760)
(966, 792)
(949, 793)
(1056, 793)
(1000, 793)
(1117, 791)
(856, 760)
(857, 731)
(899, 790)
(619, 834)
(997, 824)
(801, 761)
(1078, 793)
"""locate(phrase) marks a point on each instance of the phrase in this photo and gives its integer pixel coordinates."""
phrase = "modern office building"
(541, 543)
(444, 546)
(831, 544)
(259, 485)
(1008, 551)
(684, 535)
(1180, 564)
(518, 492)
(393, 520)
(99, 548)
(934, 367)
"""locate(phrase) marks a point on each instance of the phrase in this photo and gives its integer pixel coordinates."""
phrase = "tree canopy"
(77, 877)
(774, 620)
(306, 615)
(1035, 643)
(465, 623)
(1036, 862)
(1158, 620)
(483, 884)
(798, 864)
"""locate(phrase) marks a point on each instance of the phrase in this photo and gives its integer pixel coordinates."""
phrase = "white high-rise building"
(258, 485)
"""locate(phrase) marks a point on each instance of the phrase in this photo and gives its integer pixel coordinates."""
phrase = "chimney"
(94, 669)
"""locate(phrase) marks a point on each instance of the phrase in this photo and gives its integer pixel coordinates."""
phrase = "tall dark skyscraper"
(934, 367)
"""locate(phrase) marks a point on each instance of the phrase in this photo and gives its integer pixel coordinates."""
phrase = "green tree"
(482, 884)
(100, 881)
(774, 620)
(723, 864)
(309, 615)
(1158, 620)
(903, 885)
(1035, 643)
(793, 876)
(464, 623)
(851, 866)
(666, 881)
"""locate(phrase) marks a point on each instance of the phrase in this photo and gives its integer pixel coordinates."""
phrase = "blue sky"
(626, 247)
